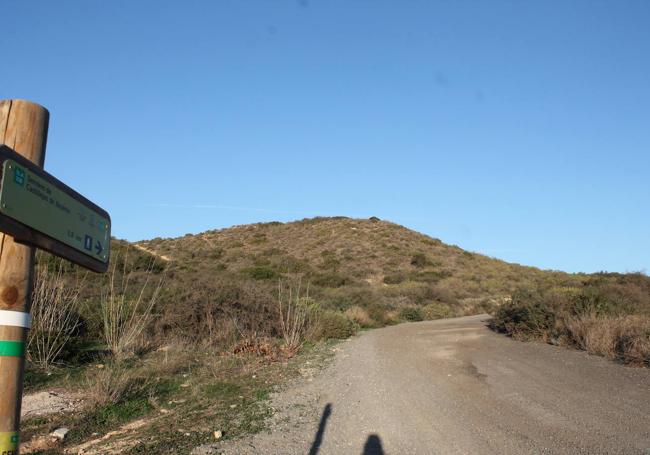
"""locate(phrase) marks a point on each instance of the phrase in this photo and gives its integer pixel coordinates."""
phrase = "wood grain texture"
(23, 127)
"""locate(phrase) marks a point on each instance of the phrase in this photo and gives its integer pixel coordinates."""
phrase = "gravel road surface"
(454, 387)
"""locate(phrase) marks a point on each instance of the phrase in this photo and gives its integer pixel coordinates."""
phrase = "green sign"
(33, 201)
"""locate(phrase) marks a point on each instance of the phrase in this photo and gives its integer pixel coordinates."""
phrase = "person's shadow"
(373, 446)
(318, 439)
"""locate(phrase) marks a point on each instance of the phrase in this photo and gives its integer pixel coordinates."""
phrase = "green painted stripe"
(12, 348)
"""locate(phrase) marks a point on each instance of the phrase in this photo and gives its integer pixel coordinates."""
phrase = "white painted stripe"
(15, 319)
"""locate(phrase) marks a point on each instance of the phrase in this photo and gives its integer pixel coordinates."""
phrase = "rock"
(60, 433)
(205, 449)
(218, 434)
(43, 403)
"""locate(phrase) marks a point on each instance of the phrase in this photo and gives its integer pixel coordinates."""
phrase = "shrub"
(394, 278)
(625, 338)
(419, 260)
(294, 314)
(524, 320)
(411, 314)
(430, 276)
(114, 383)
(330, 280)
(335, 325)
(55, 313)
(379, 313)
(592, 301)
(220, 312)
(360, 316)
(436, 311)
(125, 313)
(261, 272)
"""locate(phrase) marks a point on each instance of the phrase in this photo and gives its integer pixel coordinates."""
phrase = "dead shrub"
(54, 312)
(391, 317)
(360, 316)
(257, 346)
(126, 313)
(293, 310)
(220, 313)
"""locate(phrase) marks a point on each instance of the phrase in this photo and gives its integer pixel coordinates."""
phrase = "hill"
(378, 273)
(365, 262)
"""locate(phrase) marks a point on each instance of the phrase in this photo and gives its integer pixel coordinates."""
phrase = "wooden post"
(23, 127)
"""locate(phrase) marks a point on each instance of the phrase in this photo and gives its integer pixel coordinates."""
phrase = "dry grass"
(293, 313)
(126, 312)
(259, 346)
(54, 311)
(625, 338)
(360, 316)
(113, 383)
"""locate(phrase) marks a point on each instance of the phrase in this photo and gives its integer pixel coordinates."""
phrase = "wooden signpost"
(39, 210)
(36, 210)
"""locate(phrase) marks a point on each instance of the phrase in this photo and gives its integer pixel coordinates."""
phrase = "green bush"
(430, 276)
(394, 278)
(330, 280)
(411, 314)
(335, 325)
(378, 313)
(261, 272)
(524, 319)
(592, 301)
(436, 310)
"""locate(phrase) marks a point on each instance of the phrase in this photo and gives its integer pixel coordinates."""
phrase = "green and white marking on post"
(12, 349)
(15, 319)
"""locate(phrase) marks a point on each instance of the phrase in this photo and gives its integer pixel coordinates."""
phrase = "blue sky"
(517, 129)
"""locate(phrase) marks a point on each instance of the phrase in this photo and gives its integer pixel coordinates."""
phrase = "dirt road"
(454, 387)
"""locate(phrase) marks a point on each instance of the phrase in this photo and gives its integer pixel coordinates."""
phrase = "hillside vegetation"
(607, 315)
(372, 268)
(196, 330)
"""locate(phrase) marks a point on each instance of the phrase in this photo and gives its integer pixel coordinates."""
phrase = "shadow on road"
(373, 446)
(318, 439)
